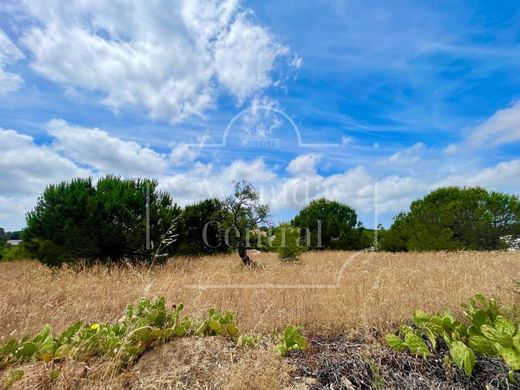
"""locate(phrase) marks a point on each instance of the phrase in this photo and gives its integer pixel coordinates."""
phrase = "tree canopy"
(79, 220)
(455, 218)
(200, 228)
(106, 220)
(244, 210)
(330, 224)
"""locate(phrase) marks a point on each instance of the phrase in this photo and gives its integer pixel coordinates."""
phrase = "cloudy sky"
(363, 101)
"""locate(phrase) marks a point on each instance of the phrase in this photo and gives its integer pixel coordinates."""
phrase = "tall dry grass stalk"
(375, 290)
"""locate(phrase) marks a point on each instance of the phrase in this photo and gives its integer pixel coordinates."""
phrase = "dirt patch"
(186, 364)
(211, 363)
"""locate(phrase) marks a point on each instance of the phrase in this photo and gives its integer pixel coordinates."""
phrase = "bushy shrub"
(200, 228)
(288, 243)
(15, 252)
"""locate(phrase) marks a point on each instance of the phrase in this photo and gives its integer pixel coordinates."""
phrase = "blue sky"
(399, 96)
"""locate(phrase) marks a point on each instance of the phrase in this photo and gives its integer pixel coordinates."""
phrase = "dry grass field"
(327, 292)
(374, 290)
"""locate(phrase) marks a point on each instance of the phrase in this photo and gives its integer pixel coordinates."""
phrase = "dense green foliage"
(15, 252)
(455, 218)
(79, 220)
(487, 328)
(329, 224)
(396, 238)
(201, 228)
(4, 236)
(12, 252)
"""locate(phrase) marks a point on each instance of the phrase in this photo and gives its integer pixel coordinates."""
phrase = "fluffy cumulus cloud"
(183, 153)
(104, 152)
(304, 165)
(9, 54)
(406, 157)
(244, 56)
(172, 58)
(356, 186)
(504, 176)
(25, 170)
(255, 171)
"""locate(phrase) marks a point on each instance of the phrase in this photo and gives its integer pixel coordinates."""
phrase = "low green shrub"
(291, 339)
(486, 328)
(248, 340)
(287, 242)
(143, 326)
(15, 252)
(217, 324)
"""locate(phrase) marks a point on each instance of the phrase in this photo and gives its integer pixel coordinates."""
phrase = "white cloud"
(183, 153)
(256, 171)
(413, 161)
(505, 176)
(304, 165)
(203, 181)
(345, 140)
(169, 57)
(192, 186)
(501, 128)
(25, 170)
(9, 54)
(407, 157)
(245, 57)
(105, 153)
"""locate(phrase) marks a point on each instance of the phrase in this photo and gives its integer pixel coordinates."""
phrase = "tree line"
(109, 220)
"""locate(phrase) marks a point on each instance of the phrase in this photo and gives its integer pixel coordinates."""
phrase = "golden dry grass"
(375, 290)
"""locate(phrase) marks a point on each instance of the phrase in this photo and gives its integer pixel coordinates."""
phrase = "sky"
(370, 103)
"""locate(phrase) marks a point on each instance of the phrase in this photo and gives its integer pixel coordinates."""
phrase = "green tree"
(244, 212)
(396, 238)
(3, 236)
(454, 218)
(200, 228)
(330, 224)
(79, 220)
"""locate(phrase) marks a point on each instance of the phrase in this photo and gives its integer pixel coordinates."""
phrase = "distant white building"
(513, 243)
(14, 242)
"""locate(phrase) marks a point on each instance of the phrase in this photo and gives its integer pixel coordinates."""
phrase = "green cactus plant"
(484, 329)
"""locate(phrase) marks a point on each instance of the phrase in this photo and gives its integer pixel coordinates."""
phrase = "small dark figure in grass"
(242, 252)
